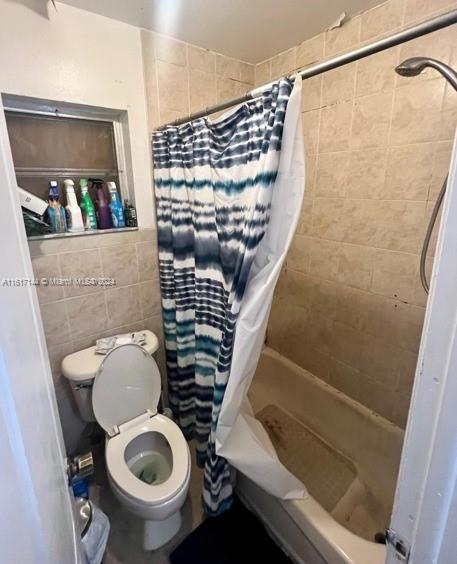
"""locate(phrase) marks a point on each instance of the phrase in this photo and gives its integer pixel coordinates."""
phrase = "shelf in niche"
(81, 234)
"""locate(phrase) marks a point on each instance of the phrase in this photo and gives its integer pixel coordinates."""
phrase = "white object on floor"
(240, 438)
(95, 539)
(80, 369)
(147, 456)
(103, 346)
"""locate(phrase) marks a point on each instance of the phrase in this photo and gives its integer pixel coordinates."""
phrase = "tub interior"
(150, 458)
(346, 455)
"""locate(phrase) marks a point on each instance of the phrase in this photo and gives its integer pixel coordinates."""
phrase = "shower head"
(415, 65)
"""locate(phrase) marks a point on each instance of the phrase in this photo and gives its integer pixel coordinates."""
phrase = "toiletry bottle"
(115, 205)
(56, 213)
(130, 214)
(103, 211)
(74, 216)
(87, 206)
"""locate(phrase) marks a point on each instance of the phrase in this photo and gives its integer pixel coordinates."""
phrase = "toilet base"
(158, 533)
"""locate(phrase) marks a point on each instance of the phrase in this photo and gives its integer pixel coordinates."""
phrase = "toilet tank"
(80, 368)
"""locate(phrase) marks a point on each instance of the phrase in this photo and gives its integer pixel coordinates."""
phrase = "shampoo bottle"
(130, 214)
(56, 213)
(87, 206)
(103, 211)
(115, 204)
(74, 215)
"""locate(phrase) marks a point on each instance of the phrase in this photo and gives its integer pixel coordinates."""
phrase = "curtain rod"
(414, 32)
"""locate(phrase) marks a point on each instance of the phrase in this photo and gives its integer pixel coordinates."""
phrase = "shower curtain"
(215, 185)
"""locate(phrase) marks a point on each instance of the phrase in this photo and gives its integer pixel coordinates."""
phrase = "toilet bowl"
(147, 456)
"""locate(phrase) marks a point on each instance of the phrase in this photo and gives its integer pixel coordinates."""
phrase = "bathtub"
(348, 455)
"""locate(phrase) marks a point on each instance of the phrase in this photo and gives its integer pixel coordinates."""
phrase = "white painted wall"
(79, 57)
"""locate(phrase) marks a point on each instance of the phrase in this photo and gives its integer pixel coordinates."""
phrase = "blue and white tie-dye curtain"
(213, 186)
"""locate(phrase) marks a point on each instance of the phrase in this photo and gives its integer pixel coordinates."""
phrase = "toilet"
(147, 456)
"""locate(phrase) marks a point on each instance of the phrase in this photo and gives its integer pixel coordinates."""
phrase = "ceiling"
(250, 30)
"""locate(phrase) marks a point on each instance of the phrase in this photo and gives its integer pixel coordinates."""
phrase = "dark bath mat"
(235, 537)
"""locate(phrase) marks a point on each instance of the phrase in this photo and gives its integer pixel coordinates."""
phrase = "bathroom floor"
(125, 539)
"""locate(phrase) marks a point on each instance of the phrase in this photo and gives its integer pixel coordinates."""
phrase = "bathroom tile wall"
(349, 306)
(75, 316)
(181, 78)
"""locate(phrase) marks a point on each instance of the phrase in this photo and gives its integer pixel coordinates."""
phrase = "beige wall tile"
(332, 174)
(170, 51)
(202, 90)
(324, 258)
(227, 89)
(87, 315)
(401, 225)
(310, 175)
(335, 127)
(441, 165)
(396, 275)
(417, 10)
(299, 254)
(81, 264)
(284, 63)
(311, 93)
(228, 67)
(343, 38)
(150, 300)
(355, 266)
(55, 322)
(310, 51)
(47, 267)
(376, 73)
(351, 221)
(123, 305)
(306, 217)
(247, 73)
(366, 173)
(263, 73)
(381, 19)
(338, 85)
(370, 127)
(201, 59)
(310, 125)
(416, 113)
(148, 266)
(409, 172)
(173, 87)
(120, 262)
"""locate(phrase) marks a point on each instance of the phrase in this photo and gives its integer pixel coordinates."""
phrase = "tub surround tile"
(81, 264)
(310, 51)
(263, 73)
(120, 263)
(377, 149)
(173, 83)
(283, 63)
(55, 322)
(381, 19)
(123, 305)
(201, 59)
(47, 267)
(335, 127)
(169, 50)
(343, 38)
(87, 315)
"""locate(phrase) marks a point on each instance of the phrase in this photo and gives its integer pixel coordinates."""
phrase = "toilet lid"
(126, 385)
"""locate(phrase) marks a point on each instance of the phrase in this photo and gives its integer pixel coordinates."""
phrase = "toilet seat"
(133, 486)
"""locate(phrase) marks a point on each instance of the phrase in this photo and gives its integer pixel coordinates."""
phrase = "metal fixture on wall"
(424, 28)
(413, 67)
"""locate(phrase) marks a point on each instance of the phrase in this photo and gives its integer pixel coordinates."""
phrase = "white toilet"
(147, 456)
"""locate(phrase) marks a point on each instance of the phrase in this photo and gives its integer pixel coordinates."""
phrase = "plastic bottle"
(87, 207)
(103, 211)
(130, 215)
(117, 211)
(56, 213)
(74, 216)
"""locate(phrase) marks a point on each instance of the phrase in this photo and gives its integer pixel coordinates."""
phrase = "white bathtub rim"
(329, 537)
